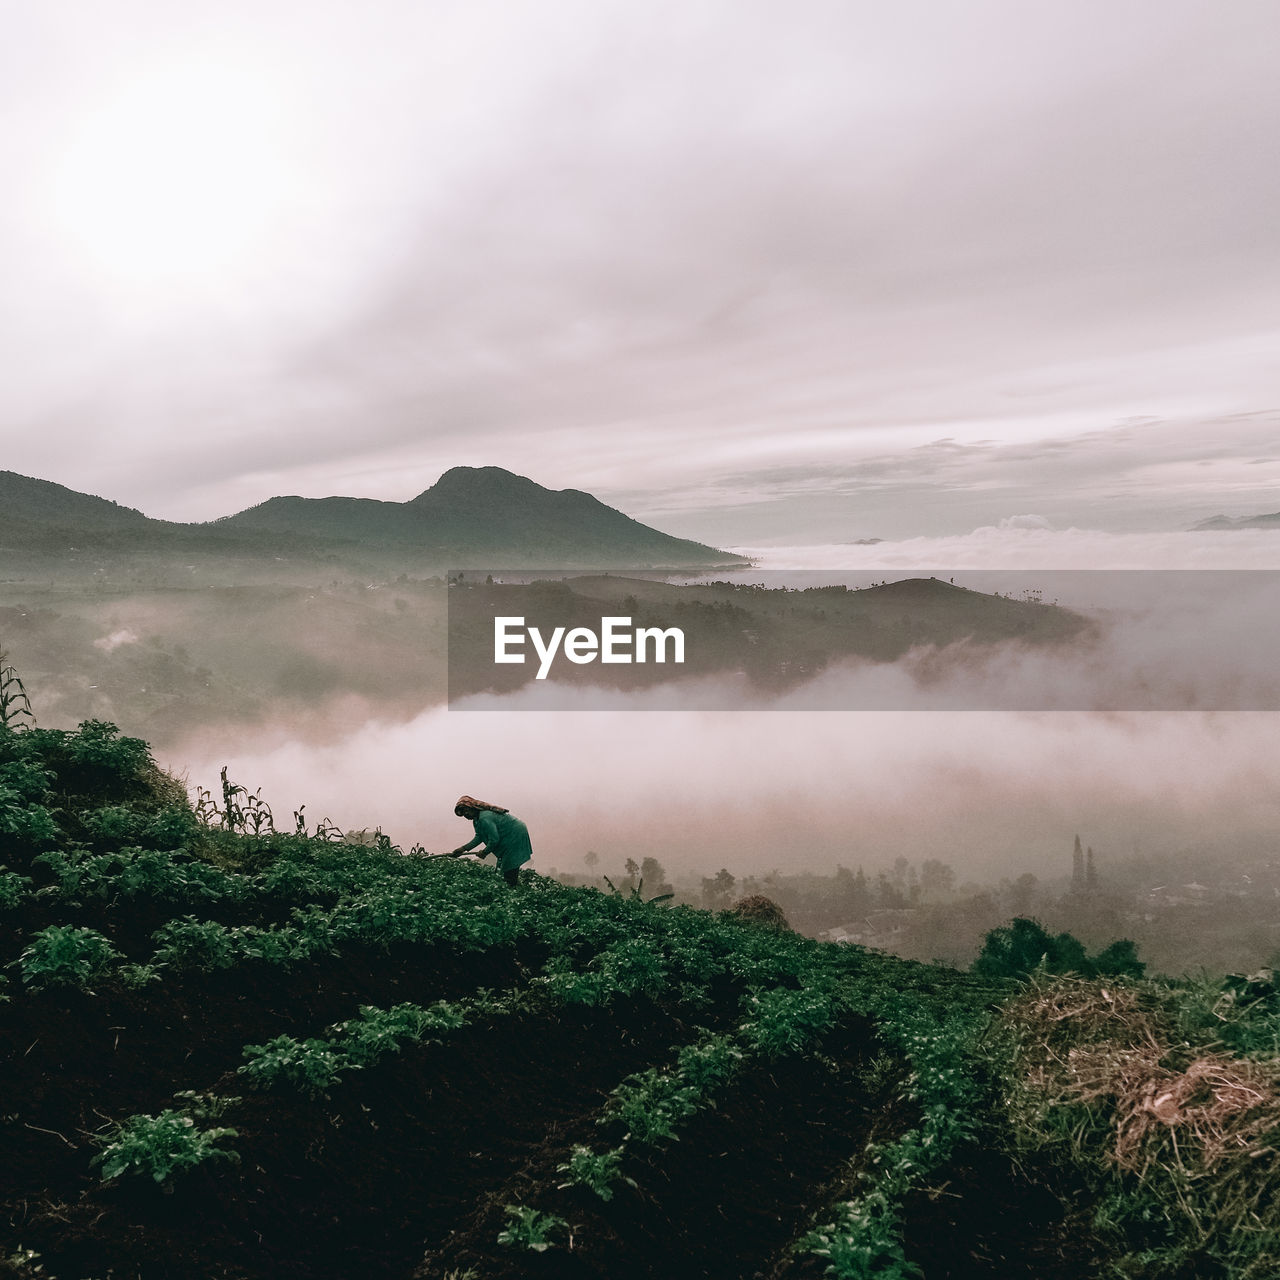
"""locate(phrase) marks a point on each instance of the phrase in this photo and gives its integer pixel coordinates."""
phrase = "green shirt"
(503, 835)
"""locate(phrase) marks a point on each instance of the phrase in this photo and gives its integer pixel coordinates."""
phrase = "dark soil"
(362, 1181)
(71, 1060)
(726, 1200)
(988, 1218)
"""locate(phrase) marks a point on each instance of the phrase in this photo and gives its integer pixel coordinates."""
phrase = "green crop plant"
(24, 1261)
(136, 976)
(564, 983)
(63, 955)
(160, 1146)
(381, 1031)
(112, 824)
(205, 1106)
(634, 969)
(13, 888)
(68, 870)
(651, 1105)
(15, 706)
(865, 1243)
(786, 1022)
(243, 811)
(865, 1237)
(310, 1065)
(530, 1229)
(30, 823)
(189, 943)
(710, 1063)
(598, 1171)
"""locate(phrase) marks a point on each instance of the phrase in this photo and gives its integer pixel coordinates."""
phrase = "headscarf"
(470, 802)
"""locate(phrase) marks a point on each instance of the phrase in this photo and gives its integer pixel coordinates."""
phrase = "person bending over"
(501, 833)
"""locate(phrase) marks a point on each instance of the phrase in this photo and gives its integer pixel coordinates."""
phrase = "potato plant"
(61, 955)
(529, 1229)
(160, 1146)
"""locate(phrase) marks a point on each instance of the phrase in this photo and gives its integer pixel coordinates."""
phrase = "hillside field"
(238, 1047)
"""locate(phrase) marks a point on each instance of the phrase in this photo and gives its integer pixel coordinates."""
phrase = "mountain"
(472, 517)
(1242, 522)
(486, 516)
(34, 501)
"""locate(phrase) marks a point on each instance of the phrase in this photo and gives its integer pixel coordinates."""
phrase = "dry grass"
(761, 910)
(1102, 1065)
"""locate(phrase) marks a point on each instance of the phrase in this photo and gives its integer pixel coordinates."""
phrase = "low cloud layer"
(801, 786)
(797, 790)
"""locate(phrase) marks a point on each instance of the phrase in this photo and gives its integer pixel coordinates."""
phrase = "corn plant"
(243, 811)
(530, 1229)
(62, 955)
(160, 1147)
(15, 706)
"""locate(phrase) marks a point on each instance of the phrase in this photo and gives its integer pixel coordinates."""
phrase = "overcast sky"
(751, 271)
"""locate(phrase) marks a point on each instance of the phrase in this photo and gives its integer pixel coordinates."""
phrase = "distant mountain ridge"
(44, 502)
(471, 517)
(1242, 522)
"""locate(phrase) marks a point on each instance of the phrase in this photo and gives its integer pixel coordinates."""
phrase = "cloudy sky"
(751, 271)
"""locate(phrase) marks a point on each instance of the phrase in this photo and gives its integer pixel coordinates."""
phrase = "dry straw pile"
(1109, 1070)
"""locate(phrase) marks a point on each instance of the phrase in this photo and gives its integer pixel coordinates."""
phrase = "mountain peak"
(472, 482)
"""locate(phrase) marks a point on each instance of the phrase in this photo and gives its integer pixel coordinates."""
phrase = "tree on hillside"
(1024, 945)
(852, 893)
(717, 891)
(1019, 894)
(936, 877)
(1120, 959)
(653, 876)
(890, 894)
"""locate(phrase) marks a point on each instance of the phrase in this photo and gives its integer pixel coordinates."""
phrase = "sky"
(756, 274)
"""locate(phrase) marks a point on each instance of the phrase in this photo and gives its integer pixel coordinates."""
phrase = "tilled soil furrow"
(363, 1180)
(725, 1202)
